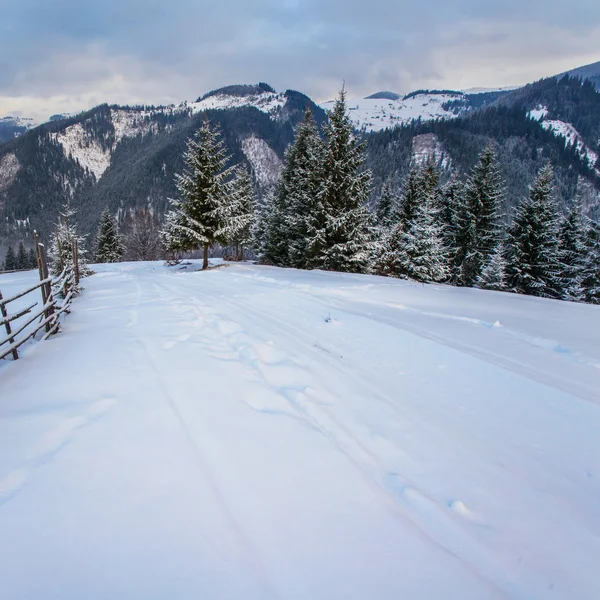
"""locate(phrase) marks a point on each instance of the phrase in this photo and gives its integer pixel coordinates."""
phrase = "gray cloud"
(68, 55)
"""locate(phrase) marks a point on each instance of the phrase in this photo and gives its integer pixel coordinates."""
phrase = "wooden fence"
(56, 294)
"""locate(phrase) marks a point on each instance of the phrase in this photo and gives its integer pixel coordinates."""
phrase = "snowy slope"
(254, 432)
(268, 102)
(565, 130)
(375, 114)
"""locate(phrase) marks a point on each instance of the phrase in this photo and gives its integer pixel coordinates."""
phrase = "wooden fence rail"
(56, 292)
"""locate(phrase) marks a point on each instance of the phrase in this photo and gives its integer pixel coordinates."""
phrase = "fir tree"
(10, 260)
(493, 276)
(61, 251)
(109, 246)
(478, 227)
(573, 254)
(416, 251)
(387, 207)
(340, 227)
(296, 198)
(240, 214)
(32, 259)
(412, 195)
(199, 218)
(533, 243)
(300, 186)
(591, 277)
(22, 261)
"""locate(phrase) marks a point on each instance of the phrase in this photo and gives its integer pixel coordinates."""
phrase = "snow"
(252, 432)
(428, 145)
(87, 150)
(538, 113)
(572, 138)
(268, 102)
(9, 167)
(377, 114)
(265, 163)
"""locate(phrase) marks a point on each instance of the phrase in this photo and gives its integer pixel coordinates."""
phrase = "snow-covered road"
(253, 432)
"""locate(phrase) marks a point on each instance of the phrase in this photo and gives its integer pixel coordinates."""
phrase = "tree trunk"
(205, 261)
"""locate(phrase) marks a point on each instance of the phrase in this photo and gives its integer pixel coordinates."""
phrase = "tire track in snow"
(208, 475)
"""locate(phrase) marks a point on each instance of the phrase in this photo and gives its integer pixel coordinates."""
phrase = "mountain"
(555, 119)
(589, 72)
(126, 156)
(12, 127)
(384, 110)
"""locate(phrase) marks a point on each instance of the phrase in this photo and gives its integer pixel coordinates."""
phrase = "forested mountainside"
(553, 119)
(125, 157)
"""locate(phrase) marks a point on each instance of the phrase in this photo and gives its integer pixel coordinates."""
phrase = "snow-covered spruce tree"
(493, 276)
(205, 189)
(22, 260)
(413, 192)
(340, 228)
(10, 260)
(300, 186)
(533, 264)
(109, 246)
(450, 200)
(264, 205)
(240, 214)
(478, 219)
(591, 279)
(573, 253)
(32, 259)
(387, 207)
(416, 251)
(61, 249)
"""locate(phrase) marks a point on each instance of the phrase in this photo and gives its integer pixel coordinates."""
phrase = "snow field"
(253, 432)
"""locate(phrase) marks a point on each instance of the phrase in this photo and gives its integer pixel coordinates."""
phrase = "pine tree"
(296, 198)
(240, 214)
(109, 246)
(387, 207)
(22, 261)
(61, 251)
(412, 195)
(199, 218)
(416, 251)
(340, 228)
(478, 224)
(10, 260)
(591, 277)
(493, 276)
(32, 259)
(573, 254)
(533, 243)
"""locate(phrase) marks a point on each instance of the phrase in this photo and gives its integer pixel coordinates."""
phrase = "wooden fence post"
(76, 260)
(60, 252)
(11, 340)
(50, 310)
(38, 254)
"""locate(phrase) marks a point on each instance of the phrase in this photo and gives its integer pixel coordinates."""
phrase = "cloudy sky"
(68, 55)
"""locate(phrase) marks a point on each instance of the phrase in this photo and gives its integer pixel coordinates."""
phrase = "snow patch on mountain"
(26, 122)
(572, 138)
(265, 163)
(87, 150)
(539, 113)
(428, 145)
(267, 102)
(375, 114)
(9, 167)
